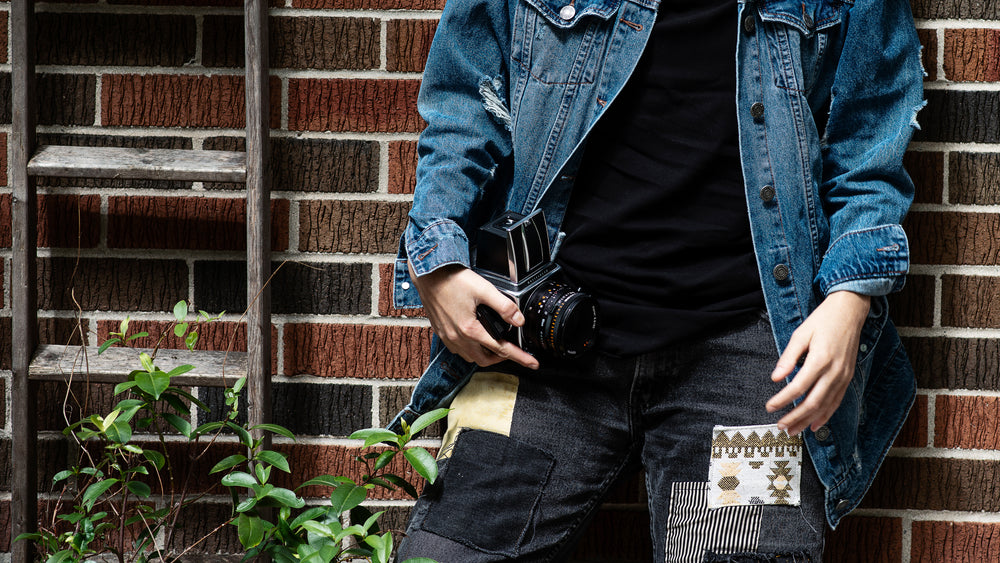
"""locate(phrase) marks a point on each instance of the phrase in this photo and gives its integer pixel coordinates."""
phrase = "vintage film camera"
(513, 254)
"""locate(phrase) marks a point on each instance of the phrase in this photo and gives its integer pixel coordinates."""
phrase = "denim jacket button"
(567, 12)
(843, 504)
(757, 111)
(780, 272)
(405, 285)
(808, 20)
(749, 24)
(822, 433)
(767, 193)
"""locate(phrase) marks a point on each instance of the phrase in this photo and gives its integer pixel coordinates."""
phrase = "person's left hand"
(829, 340)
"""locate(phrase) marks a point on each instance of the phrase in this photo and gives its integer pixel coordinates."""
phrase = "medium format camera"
(513, 254)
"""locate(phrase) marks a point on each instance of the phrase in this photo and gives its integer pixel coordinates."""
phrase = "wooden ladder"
(32, 363)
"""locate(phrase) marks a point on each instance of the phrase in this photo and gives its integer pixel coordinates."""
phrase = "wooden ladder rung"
(82, 363)
(133, 163)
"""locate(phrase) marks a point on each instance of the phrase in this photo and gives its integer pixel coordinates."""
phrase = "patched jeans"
(529, 456)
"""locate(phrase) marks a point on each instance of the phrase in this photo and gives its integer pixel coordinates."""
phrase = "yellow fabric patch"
(485, 403)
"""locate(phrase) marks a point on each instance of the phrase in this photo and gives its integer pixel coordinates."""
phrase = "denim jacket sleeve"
(865, 190)
(467, 139)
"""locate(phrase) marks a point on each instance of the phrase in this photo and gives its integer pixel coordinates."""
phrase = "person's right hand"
(450, 296)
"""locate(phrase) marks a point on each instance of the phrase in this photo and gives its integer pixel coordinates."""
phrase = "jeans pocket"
(488, 492)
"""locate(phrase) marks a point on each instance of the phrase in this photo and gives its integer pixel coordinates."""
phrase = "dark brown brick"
(408, 42)
(955, 363)
(402, 167)
(970, 301)
(616, 535)
(351, 226)
(927, 171)
(972, 55)
(325, 165)
(66, 99)
(914, 305)
(51, 458)
(356, 351)
(967, 422)
(114, 141)
(959, 9)
(3, 37)
(195, 223)
(203, 520)
(169, 100)
(3, 404)
(914, 432)
(392, 399)
(298, 42)
(370, 4)
(272, 3)
(385, 305)
(111, 284)
(61, 407)
(865, 539)
(928, 57)
(919, 483)
(954, 542)
(115, 39)
(361, 105)
(971, 116)
(3, 159)
(65, 221)
(954, 238)
(973, 178)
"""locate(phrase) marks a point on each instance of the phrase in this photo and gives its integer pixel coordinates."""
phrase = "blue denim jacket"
(827, 97)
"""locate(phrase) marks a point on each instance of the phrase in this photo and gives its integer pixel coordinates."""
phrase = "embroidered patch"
(485, 403)
(754, 465)
(693, 529)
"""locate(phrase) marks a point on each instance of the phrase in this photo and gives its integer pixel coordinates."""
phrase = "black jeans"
(529, 456)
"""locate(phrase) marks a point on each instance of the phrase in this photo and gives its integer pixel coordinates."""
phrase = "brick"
(351, 226)
(369, 4)
(361, 105)
(115, 39)
(169, 100)
(307, 409)
(66, 221)
(114, 141)
(954, 238)
(325, 165)
(297, 288)
(66, 99)
(970, 301)
(3, 158)
(972, 178)
(955, 542)
(51, 457)
(407, 44)
(195, 223)
(356, 351)
(959, 9)
(971, 116)
(321, 43)
(3, 404)
(201, 520)
(616, 535)
(61, 406)
(919, 483)
(392, 399)
(914, 306)
(865, 539)
(927, 171)
(955, 363)
(928, 57)
(402, 167)
(3, 37)
(966, 422)
(273, 3)
(385, 305)
(914, 432)
(110, 284)
(972, 55)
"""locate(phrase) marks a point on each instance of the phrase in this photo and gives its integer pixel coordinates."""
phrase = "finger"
(799, 386)
(500, 303)
(499, 350)
(797, 346)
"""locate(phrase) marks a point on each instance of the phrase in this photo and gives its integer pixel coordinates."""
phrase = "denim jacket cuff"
(870, 262)
(440, 244)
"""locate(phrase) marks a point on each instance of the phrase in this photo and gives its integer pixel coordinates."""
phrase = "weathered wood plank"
(133, 163)
(59, 363)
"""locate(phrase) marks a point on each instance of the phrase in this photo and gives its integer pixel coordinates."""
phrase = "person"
(725, 178)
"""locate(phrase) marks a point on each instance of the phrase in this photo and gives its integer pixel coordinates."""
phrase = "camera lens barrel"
(560, 320)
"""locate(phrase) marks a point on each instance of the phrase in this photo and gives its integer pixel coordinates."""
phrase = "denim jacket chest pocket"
(799, 34)
(559, 42)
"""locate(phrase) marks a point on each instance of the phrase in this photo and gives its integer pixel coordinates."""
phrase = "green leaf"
(402, 484)
(188, 396)
(138, 489)
(182, 426)
(276, 429)
(180, 310)
(238, 386)
(239, 479)
(319, 529)
(132, 449)
(285, 497)
(310, 514)
(246, 505)
(263, 472)
(383, 459)
(207, 427)
(180, 329)
(426, 419)
(423, 462)
(373, 436)
(242, 433)
(107, 344)
(65, 474)
(346, 496)
(176, 402)
(142, 334)
(179, 370)
(120, 432)
(251, 528)
(147, 362)
(191, 339)
(273, 458)
(96, 490)
(228, 463)
(382, 546)
(326, 481)
(153, 384)
(156, 458)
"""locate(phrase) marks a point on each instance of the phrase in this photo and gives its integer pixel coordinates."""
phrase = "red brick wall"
(345, 74)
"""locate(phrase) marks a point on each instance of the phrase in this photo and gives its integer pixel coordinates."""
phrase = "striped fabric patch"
(693, 528)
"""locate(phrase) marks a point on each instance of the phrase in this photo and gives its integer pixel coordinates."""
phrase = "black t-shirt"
(657, 227)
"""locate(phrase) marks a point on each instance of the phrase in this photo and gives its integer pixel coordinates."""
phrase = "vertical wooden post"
(258, 215)
(24, 503)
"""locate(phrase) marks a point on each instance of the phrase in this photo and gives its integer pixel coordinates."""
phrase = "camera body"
(513, 255)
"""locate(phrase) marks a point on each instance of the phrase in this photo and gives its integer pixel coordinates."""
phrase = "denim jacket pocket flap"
(808, 16)
(566, 13)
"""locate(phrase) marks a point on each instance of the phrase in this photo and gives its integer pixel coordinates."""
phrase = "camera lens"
(561, 320)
